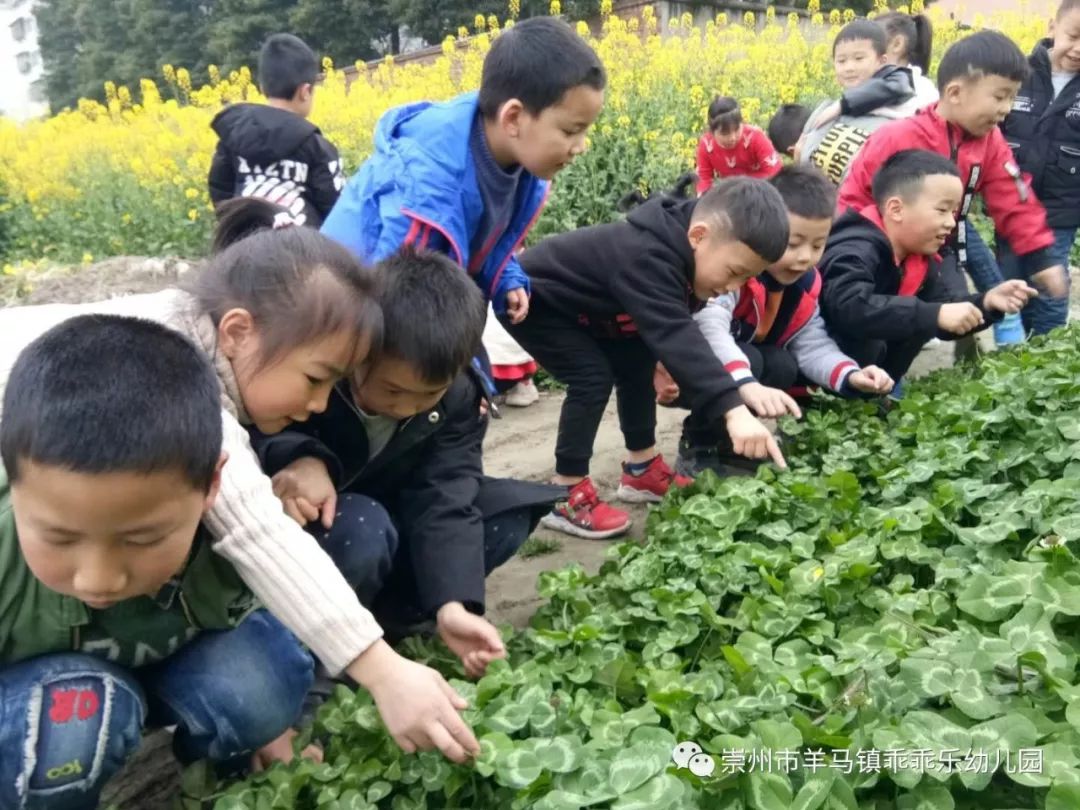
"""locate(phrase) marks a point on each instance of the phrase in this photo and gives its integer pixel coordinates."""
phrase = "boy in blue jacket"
(469, 177)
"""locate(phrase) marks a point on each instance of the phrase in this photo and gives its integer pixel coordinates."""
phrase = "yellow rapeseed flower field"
(129, 176)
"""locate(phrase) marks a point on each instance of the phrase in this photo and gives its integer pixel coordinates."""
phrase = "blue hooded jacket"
(420, 187)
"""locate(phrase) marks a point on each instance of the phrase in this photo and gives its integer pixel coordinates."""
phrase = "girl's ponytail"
(918, 36)
(240, 217)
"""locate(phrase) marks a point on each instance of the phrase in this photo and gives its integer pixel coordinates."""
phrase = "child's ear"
(697, 233)
(952, 91)
(236, 331)
(510, 115)
(215, 483)
(894, 209)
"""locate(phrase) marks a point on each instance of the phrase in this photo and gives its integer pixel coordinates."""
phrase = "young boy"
(469, 177)
(115, 614)
(874, 93)
(393, 466)
(884, 295)
(612, 300)
(271, 150)
(731, 148)
(978, 77)
(1043, 131)
(770, 334)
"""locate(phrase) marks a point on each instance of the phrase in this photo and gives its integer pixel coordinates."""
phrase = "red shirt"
(1012, 205)
(752, 155)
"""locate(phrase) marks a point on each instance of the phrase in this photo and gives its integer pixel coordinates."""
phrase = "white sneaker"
(522, 395)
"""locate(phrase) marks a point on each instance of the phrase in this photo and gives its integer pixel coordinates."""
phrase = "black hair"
(299, 285)
(750, 211)
(806, 191)
(917, 32)
(986, 53)
(724, 114)
(1065, 7)
(285, 64)
(786, 126)
(537, 61)
(861, 29)
(902, 175)
(434, 311)
(104, 393)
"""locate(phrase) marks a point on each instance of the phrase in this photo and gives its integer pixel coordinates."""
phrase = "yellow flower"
(191, 193)
(9, 270)
(555, 9)
(479, 23)
(193, 214)
(605, 8)
(583, 29)
(87, 258)
(515, 9)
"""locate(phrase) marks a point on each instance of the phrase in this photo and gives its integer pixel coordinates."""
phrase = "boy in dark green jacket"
(114, 611)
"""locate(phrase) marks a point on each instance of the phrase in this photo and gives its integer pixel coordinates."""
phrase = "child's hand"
(959, 318)
(1055, 280)
(828, 115)
(471, 638)
(770, 403)
(281, 750)
(307, 491)
(517, 304)
(750, 438)
(418, 707)
(667, 390)
(871, 380)
(1010, 296)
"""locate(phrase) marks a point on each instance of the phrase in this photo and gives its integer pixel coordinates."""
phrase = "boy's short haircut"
(750, 211)
(786, 126)
(537, 61)
(724, 114)
(1065, 7)
(986, 53)
(902, 175)
(806, 192)
(285, 64)
(433, 311)
(863, 29)
(106, 394)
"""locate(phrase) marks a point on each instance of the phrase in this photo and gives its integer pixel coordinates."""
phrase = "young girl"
(283, 314)
(910, 40)
(731, 147)
(512, 368)
(1043, 130)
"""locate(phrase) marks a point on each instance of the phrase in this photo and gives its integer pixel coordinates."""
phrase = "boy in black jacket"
(883, 296)
(1043, 131)
(390, 477)
(611, 300)
(271, 150)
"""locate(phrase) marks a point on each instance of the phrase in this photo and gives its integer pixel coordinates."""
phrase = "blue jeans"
(981, 265)
(68, 721)
(363, 542)
(1044, 313)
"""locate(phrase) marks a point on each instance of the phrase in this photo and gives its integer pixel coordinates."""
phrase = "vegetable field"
(891, 624)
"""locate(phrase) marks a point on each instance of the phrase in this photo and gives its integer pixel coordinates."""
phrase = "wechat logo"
(689, 755)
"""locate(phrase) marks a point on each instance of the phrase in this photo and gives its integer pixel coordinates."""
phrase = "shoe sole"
(561, 524)
(631, 495)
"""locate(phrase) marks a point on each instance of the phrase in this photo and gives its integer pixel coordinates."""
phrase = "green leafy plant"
(890, 624)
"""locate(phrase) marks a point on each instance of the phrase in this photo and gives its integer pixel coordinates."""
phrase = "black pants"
(894, 356)
(590, 366)
(771, 366)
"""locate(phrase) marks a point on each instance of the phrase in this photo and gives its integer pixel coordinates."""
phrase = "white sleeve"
(818, 356)
(714, 320)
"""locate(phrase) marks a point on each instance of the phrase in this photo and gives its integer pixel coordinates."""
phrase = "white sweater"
(282, 564)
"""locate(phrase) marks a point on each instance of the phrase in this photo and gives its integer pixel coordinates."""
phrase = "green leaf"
(815, 790)
(926, 797)
(634, 766)
(766, 790)
(990, 599)
(560, 754)
(519, 769)
(1063, 797)
(510, 718)
(660, 792)
(776, 736)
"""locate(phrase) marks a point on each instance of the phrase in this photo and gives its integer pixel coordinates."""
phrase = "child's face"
(721, 264)
(395, 388)
(727, 138)
(855, 61)
(921, 224)
(979, 105)
(106, 537)
(1065, 52)
(547, 143)
(805, 246)
(294, 386)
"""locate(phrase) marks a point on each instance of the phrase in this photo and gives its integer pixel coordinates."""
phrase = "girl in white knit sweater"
(283, 313)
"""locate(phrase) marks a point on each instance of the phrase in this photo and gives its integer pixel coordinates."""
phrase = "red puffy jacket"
(1017, 213)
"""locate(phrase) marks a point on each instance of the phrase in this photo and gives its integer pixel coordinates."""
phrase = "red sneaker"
(652, 485)
(583, 514)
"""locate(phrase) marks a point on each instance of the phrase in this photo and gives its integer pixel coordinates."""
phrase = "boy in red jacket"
(978, 77)
(731, 147)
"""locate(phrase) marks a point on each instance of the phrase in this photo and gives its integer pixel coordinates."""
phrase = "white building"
(22, 76)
